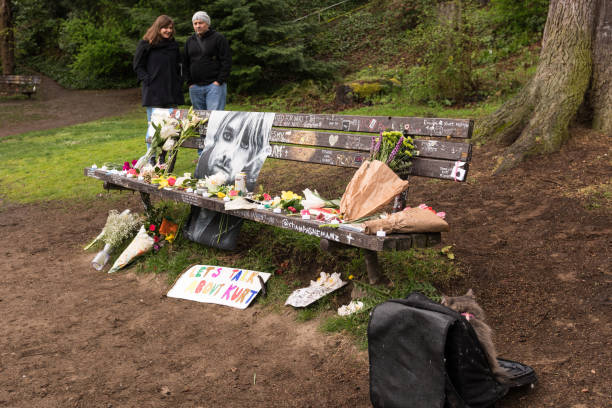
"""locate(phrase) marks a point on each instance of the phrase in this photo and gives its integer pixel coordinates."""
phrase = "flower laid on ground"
(141, 244)
(395, 149)
(118, 227)
(160, 227)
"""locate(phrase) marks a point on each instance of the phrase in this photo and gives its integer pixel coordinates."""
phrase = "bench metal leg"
(372, 266)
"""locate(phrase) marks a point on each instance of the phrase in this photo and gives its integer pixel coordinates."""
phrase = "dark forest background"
(436, 52)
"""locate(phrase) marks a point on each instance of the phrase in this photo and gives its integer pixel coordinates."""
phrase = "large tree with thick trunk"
(7, 53)
(573, 77)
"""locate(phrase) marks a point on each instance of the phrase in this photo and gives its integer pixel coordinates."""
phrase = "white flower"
(215, 181)
(168, 131)
(312, 200)
(168, 145)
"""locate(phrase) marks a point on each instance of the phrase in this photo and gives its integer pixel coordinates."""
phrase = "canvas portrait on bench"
(235, 142)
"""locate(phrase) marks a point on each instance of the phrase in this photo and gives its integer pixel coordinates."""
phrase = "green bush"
(99, 52)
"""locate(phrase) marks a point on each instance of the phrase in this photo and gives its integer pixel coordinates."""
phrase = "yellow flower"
(289, 195)
(351, 277)
(170, 237)
(220, 194)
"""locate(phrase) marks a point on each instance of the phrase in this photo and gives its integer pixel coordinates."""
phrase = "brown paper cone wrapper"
(372, 187)
(409, 220)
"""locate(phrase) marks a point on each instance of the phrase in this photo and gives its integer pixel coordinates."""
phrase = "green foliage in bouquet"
(395, 149)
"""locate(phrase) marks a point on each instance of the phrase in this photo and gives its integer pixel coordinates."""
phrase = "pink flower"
(441, 214)
(233, 193)
(152, 227)
(267, 197)
(132, 171)
(171, 181)
(156, 247)
(134, 162)
(126, 166)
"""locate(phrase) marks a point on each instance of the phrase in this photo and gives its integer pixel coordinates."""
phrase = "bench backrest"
(442, 148)
(19, 79)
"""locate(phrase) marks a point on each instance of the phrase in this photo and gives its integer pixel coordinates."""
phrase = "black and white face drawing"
(236, 142)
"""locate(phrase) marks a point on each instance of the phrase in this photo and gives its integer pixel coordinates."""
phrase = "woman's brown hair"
(152, 35)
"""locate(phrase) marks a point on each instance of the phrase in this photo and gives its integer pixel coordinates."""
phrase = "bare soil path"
(534, 245)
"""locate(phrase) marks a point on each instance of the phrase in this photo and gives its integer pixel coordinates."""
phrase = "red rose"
(292, 209)
(171, 181)
(152, 227)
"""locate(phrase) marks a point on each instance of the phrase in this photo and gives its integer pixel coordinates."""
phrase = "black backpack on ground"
(425, 355)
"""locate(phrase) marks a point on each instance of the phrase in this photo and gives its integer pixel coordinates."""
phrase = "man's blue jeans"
(208, 97)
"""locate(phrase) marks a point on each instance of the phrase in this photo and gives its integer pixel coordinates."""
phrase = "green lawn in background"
(48, 165)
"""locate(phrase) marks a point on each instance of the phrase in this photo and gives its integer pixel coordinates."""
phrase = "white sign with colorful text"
(217, 284)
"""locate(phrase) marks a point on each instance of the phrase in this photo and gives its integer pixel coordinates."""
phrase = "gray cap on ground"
(202, 16)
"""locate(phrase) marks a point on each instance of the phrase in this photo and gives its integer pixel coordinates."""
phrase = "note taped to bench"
(217, 284)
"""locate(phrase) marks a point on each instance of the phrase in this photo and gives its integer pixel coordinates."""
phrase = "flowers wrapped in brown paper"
(406, 221)
(372, 187)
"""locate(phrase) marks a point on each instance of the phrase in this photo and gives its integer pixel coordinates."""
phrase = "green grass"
(48, 165)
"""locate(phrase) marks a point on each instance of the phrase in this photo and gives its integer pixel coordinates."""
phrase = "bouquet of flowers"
(141, 244)
(395, 149)
(170, 133)
(118, 227)
(377, 181)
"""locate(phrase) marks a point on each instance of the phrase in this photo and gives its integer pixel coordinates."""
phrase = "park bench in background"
(16, 84)
(442, 152)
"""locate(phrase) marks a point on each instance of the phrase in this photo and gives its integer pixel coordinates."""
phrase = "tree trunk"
(7, 51)
(537, 120)
(600, 99)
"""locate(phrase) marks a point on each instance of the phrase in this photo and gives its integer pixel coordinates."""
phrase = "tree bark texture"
(601, 88)
(537, 119)
(7, 50)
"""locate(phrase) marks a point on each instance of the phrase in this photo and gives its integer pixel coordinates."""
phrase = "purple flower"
(395, 149)
(375, 148)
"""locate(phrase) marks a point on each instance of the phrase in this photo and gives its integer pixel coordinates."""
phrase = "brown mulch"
(534, 244)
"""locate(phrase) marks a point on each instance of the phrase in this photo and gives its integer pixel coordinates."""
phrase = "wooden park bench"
(442, 152)
(19, 84)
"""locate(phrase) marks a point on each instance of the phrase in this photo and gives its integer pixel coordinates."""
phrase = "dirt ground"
(534, 244)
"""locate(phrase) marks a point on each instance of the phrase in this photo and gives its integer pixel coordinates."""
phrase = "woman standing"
(158, 66)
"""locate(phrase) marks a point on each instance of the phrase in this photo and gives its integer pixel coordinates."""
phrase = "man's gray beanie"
(202, 16)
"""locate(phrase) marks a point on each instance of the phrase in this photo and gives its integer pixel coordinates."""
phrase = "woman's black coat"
(158, 67)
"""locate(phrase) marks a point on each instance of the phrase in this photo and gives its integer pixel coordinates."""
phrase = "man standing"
(208, 60)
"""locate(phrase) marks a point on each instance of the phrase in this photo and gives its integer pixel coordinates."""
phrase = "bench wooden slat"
(322, 139)
(459, 128)
(434, 127)
(424, 148)
(437, 149)
(309, 227)
(340, 158)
